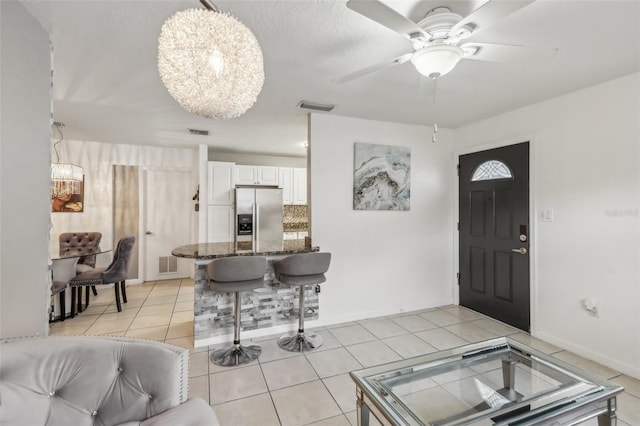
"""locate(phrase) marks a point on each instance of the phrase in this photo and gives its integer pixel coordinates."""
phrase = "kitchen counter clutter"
(264, 308)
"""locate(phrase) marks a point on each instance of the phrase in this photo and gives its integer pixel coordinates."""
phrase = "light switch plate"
(546, 215)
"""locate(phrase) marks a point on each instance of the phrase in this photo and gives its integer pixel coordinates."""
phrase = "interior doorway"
(167, 202)
(494, 233)
(126, 212)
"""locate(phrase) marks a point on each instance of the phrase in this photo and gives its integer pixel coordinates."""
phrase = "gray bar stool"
(301, 270)
(233, 275)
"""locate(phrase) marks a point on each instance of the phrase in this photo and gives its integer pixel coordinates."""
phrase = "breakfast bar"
(265, 310)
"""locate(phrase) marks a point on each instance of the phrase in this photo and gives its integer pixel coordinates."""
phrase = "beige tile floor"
(285, 388)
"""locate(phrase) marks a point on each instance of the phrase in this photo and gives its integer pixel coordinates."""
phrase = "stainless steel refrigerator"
(259, 218)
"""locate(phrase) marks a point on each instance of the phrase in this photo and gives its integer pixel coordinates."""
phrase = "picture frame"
(70, 203)
(381, 177)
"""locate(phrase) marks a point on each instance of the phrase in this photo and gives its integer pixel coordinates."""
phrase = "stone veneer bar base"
(263, 308)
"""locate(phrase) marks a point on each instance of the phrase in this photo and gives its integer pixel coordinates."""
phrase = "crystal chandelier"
(210, 63)
(66, 179)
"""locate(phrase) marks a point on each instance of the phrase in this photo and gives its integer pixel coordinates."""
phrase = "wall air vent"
(316, 106)
(167, 264)
(199, 132)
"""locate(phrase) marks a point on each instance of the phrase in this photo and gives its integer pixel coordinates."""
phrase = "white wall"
(24, 173)
(97, 160)
(586, 169)
(383, 262)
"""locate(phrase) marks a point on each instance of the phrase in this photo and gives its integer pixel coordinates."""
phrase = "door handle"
(148, 232)
(257, 228)
(521, 250)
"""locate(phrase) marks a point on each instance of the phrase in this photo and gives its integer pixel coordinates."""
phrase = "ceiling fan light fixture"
(436, 61)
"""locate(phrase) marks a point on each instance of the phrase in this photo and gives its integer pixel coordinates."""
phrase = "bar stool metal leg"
(237, 354)
(300, 342)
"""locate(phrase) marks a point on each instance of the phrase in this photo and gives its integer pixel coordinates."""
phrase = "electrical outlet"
(317, 288)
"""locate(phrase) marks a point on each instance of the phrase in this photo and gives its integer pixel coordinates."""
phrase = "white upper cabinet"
(246, 175)
(285, 181)
(256, 175)
(299, 186)
(221, 183)
(267, 175)
(293, 181)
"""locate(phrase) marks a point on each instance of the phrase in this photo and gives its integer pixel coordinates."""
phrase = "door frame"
(142, 219)
(533, 233)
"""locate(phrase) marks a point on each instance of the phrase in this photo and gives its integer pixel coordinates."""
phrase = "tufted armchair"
(101, 381)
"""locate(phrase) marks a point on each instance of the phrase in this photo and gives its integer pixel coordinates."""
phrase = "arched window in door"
(490, 170)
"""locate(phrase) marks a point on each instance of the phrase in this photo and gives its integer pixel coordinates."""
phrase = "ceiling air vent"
(199, 132)
(315, 106)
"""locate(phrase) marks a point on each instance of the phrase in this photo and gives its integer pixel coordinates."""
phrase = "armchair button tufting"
(52, 393)
(95, 413)
(150, 396)
(120, 369)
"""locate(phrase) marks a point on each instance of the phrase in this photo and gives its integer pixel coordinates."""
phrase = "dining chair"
(59, 288)
(79, 241)
(116, 274)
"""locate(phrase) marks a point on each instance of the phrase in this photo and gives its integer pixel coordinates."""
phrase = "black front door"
(494, 233)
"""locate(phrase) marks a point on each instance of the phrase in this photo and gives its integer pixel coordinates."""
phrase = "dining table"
(63, 267)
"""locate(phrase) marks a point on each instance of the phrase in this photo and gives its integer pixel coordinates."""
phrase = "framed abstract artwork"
(381, 177)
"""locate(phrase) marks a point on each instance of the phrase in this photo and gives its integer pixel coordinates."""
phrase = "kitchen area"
(230, 214)
(250, 210)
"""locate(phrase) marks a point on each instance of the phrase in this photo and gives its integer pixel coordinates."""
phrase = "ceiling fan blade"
(384, 15)
(490, 12)
(516, 54)
(373, 68)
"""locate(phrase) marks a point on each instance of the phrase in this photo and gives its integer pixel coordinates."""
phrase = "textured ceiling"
(107, 88)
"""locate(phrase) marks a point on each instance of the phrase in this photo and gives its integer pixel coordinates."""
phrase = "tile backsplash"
(295, 217)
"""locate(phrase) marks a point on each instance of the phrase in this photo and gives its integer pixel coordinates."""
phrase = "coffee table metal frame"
(570, 405)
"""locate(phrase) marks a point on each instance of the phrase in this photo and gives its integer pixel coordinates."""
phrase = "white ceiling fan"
(438, 39)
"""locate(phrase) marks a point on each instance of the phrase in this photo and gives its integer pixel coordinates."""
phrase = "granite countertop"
(218, 250)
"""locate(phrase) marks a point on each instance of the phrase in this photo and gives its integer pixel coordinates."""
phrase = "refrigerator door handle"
(257, 228)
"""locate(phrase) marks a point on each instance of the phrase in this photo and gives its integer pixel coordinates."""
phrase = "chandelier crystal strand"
(210, 63)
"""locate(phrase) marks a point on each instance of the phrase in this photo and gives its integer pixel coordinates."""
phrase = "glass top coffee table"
(495, 382)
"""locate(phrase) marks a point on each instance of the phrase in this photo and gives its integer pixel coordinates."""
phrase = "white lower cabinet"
(220, 226)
